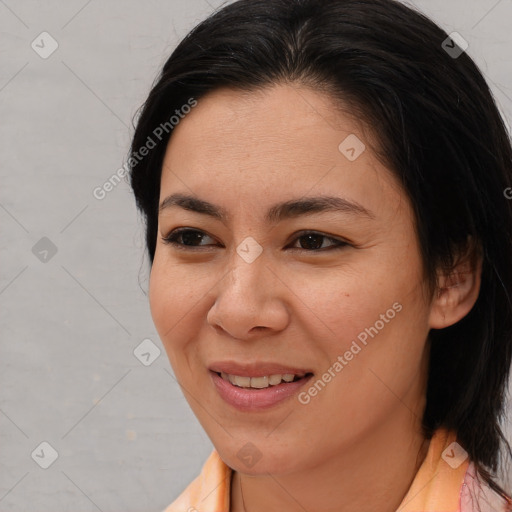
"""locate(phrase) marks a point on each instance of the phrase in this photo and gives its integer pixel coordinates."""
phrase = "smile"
(262, 392)
(260, 382)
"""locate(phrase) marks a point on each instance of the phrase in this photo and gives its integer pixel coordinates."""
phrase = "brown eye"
(186, 238)
(313, 241)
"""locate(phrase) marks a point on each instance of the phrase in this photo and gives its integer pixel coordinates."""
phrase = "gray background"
(70, 321)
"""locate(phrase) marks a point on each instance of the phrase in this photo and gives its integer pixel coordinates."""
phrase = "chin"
(251, 460)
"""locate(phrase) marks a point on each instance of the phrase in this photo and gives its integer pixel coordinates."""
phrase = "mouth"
(262, 382)
(251, 388)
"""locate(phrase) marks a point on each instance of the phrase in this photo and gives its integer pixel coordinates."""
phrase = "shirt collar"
(435, 487)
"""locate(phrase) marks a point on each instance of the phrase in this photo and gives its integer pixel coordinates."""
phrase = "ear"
(457, 290)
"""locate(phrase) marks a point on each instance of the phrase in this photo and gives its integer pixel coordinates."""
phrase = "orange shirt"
(445, 482)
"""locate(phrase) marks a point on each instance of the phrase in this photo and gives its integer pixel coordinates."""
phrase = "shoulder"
(477, 496)
(209, 490)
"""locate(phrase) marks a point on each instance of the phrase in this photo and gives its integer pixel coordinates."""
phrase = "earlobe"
(457, 293)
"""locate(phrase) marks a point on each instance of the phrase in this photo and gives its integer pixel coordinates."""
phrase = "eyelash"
(171, 239)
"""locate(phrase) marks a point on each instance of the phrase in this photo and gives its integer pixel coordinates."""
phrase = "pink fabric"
(477, 496)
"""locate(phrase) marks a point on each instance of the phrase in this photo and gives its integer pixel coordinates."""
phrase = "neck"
(373, 474)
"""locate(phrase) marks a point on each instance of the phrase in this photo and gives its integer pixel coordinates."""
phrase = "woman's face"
(251, 295)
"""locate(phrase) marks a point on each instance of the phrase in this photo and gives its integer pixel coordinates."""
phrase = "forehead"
(263, 144)
(279, 119)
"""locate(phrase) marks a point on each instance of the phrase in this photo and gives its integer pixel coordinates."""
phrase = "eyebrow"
(278, 212)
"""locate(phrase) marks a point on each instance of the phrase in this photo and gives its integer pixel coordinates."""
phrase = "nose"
(250, 301)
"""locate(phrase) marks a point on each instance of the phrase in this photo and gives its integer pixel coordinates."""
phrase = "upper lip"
(255, 369)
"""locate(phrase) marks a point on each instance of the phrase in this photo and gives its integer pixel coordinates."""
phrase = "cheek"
(373, 368)
(169, 305)
(158, 297)
(373, 314)
(347, 301)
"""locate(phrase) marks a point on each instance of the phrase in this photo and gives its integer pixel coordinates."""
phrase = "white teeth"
(274, 380)
(259, 382)
(243, 382)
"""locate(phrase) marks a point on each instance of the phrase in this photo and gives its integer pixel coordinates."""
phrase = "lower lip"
(247, 399)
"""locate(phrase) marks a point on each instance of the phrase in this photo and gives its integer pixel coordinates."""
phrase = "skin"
(245, 152)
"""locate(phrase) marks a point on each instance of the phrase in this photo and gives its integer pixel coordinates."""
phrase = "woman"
(330, 244)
